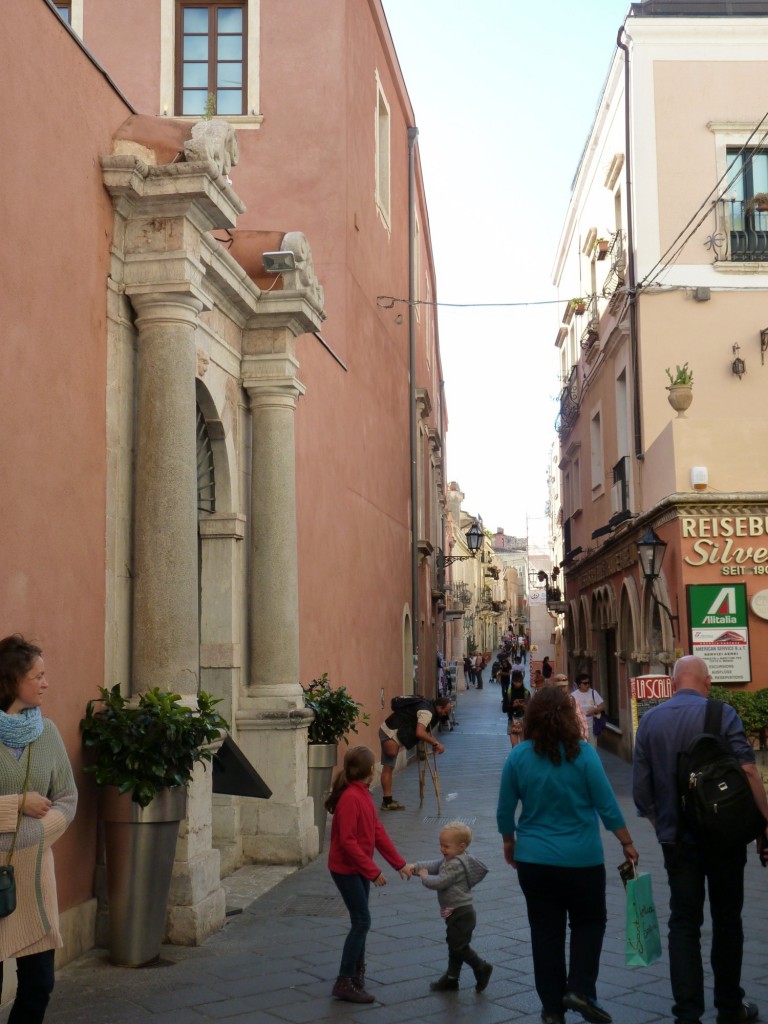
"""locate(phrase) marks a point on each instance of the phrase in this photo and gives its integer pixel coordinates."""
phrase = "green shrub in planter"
(750, 705)
(336, 713)
(153, 745)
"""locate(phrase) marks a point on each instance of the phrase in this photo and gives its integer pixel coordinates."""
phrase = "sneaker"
(483, 976)
(444, 984)
(746, 1012)
(393, 805)
(589, 1009)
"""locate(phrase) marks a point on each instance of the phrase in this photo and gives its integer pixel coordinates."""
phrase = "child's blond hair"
(462, 831)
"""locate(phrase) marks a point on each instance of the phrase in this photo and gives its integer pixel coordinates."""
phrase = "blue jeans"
(354, 891)
(554, 896)
(34, 975)
(688, 868)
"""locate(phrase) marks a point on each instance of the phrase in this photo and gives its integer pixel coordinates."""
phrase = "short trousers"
(515, 725)
(388, 760)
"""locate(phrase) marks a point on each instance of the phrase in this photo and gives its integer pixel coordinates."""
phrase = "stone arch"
(222, 457)
(585, 626)
(630, 620)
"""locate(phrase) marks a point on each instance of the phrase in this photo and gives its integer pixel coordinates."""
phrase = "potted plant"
(601, 248)
(336, 714)
(680, 388)
(142, 755)
(757, 203)
(579, 306)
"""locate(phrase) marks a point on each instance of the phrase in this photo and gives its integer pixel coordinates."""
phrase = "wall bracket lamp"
(650, 552)
(738, 366)
(475, 538)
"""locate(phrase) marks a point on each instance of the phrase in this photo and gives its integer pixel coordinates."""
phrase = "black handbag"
(7, 877)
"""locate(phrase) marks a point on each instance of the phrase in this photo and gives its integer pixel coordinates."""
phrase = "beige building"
(663, 263)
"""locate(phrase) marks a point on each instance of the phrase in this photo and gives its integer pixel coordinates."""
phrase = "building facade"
(259, 444)
(662, 265)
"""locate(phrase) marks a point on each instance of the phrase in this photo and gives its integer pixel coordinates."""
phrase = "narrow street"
(276, 961)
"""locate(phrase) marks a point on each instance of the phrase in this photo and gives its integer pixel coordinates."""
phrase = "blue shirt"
(663, 732)
(562, 805)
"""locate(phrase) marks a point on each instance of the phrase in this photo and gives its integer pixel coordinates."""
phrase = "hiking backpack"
(716, 801)
(403, 718)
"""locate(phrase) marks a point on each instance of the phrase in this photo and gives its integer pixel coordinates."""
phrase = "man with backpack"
(411, 721)
(675, 761)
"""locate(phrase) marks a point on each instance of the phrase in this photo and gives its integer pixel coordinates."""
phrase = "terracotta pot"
(680, 397)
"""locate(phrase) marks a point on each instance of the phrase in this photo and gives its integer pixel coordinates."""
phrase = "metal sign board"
(717, 614)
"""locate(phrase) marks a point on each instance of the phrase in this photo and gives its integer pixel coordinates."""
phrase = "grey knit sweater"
(453, 878)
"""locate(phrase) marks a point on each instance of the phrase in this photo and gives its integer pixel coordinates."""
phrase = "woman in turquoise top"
(557, 783)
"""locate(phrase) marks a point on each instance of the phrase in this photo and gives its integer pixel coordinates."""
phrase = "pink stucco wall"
(57, 225)
(310, 167)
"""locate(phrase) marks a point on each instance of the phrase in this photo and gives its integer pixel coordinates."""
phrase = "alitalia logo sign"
(722, 611)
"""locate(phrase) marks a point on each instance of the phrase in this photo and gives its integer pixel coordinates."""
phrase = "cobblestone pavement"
(276, 961)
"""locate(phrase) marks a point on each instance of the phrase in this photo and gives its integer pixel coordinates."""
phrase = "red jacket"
(355, 832)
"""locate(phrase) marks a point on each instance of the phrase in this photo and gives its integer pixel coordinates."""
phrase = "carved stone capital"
(215, 142)
(303, 278)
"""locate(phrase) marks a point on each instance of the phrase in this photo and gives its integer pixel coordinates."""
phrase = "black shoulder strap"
(713, 717)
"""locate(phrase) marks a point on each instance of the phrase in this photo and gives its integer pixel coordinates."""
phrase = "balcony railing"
(569, 404)
(742, 235)
(590, 333)
(617, 256)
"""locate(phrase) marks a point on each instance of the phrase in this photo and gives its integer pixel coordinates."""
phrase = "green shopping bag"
(643, 946)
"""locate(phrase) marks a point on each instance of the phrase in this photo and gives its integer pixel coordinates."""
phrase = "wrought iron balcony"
(742, 235)
(569, 404)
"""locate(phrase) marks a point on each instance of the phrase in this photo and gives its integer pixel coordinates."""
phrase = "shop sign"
(719, 631)
(737, 544)
(645, 692)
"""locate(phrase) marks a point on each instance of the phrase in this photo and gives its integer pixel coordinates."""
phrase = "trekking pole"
(428, 762)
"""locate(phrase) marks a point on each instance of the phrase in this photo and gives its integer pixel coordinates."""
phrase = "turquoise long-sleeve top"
(561, 806)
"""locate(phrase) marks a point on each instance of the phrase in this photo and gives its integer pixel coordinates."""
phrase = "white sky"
(504, 93)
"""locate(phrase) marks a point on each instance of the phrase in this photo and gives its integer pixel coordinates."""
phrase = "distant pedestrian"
(468, 670)
(479, 666)
(453, 878)
(355, 833)
(553, 791)
(546, 668)
(504, 676)
(663, 733)
(517, 699)
(590, 702)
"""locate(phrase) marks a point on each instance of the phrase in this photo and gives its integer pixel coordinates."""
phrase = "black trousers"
(688, 870)
(34, 974)
(556, 896)
(458, 934)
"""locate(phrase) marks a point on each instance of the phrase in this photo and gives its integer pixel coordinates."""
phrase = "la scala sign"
(738, 544)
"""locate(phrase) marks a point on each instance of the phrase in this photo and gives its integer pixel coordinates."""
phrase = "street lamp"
(650, 551)
(475, 537)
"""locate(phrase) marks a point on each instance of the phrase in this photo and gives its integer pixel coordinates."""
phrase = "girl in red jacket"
(355, 832)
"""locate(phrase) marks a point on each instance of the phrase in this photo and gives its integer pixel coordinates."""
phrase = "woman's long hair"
(358, 765)
(550, 720)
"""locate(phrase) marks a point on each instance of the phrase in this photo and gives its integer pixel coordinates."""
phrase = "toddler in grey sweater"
(453, 878)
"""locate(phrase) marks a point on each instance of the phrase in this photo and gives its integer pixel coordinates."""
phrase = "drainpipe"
(631, 268)
(413, 134)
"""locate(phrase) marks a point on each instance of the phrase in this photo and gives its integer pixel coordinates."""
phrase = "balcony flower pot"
(142, 755)
(579, 306)
(758, 203)
(336, 714)
(601, 248)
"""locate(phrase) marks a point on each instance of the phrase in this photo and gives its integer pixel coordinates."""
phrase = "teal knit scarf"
(22, 729)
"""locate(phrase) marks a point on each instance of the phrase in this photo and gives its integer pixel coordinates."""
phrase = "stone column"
(166, 640)
(274, 580)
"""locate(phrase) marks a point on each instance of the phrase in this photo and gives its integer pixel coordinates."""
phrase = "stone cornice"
(169, 189)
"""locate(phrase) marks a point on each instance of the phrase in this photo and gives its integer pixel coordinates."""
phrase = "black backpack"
(716, 801)
(403, 718)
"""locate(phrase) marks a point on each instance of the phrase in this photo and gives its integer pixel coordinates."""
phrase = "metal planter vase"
(140, 849)
(321, 760)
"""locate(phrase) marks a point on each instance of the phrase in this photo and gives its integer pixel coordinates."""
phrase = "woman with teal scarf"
(30, 749)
